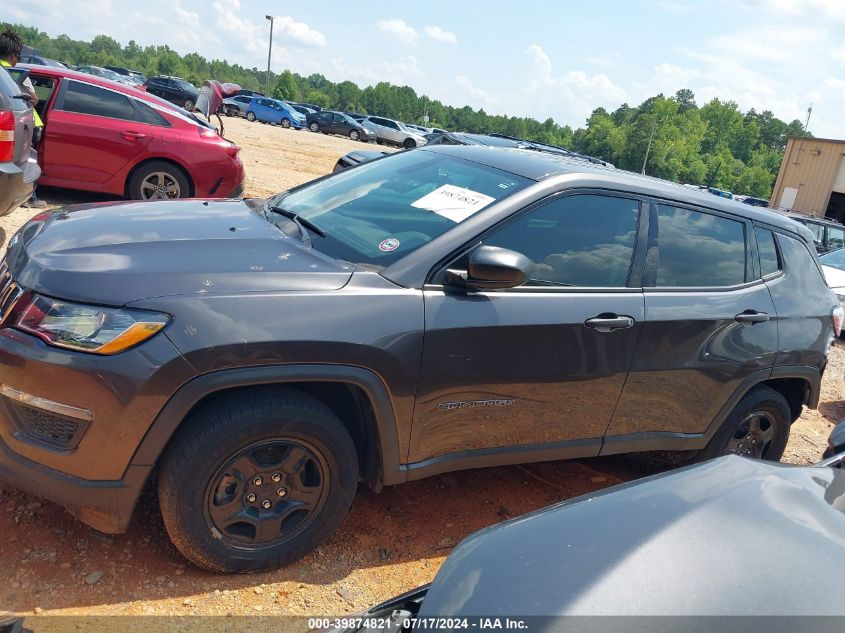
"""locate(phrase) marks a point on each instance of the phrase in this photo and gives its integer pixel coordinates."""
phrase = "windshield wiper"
(301, 223)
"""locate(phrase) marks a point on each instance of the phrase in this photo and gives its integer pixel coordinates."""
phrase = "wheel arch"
(159, 159)
(800, 385)
(356, 395)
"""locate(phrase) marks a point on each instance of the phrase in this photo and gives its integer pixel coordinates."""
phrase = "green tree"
(286, 87)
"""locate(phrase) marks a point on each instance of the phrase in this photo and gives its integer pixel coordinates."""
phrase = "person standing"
(11, 47)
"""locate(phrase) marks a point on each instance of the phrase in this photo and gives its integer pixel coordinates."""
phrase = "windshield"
(381, 211)
(834, 259)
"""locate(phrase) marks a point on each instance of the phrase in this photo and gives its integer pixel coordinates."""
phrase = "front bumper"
(92, 474)
(104, 505)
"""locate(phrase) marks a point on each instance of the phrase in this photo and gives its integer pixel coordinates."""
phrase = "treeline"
(714, 143)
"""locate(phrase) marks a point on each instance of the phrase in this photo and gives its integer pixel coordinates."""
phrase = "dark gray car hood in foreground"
(114, 254)
(728, 537)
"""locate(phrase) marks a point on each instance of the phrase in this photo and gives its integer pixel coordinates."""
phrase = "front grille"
(48, 428)
(10, 291)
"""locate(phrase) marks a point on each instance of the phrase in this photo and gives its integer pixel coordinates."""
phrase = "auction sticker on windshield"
(453, 203)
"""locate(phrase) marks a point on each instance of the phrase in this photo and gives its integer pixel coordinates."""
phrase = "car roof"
(812, 218)
(95, 80)
(540, 166)
(55, 71)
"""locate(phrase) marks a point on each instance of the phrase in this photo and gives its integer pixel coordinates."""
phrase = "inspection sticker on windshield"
(454, 203)
(390, 244)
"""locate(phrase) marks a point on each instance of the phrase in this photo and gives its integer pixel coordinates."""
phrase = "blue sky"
(535, 58)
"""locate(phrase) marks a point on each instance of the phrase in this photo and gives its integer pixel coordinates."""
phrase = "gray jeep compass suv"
(433, 310)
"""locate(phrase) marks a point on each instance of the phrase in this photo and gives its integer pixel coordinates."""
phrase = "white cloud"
(399, 29)
(468, 92)
(439, 35)
(298, 32)
(403, 71)
(675, 7)
(569, 97)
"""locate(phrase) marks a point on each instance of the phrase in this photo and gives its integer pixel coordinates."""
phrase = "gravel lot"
(390, 542)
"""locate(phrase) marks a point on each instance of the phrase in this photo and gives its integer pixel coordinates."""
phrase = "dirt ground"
(390, 542)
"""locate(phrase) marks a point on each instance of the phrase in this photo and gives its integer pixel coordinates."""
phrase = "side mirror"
(491, 267)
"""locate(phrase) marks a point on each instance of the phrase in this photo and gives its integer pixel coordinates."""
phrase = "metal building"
(812, 178)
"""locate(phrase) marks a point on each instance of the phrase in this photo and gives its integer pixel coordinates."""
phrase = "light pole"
(648, 149)
(269, 54)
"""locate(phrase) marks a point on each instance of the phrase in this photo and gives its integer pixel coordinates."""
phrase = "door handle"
(752, 316)
(609, 322)
(133, 136)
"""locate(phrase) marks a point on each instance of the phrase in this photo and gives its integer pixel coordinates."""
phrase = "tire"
(314, 127)
(188, 105)
(409, 143)
(250, 116)
(285, 123)
(158, 180)
(762, 413)
(212, 511)
(354, 136)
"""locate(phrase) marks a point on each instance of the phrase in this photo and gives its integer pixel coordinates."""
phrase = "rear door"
(710, 326)
(92, 134)
(545, 363)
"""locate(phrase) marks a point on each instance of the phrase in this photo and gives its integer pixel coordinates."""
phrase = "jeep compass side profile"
(446, 308)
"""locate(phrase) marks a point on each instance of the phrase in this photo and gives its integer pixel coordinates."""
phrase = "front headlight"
(87, 328)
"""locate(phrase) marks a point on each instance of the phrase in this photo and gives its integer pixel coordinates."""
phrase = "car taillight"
(206, 133)
(232, 150)
(7, 137)
(837, 316)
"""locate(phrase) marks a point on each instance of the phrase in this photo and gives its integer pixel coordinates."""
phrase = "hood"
(732, 536)
(835, 278)
(113, 254)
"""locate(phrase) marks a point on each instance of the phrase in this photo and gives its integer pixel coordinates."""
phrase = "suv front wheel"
(757, 427)
(257, 480)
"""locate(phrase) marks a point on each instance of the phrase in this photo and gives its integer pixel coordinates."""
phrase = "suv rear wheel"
(757, 427)
(257, 481)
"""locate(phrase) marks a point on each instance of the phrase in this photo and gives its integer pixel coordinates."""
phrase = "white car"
(833, 267)
(392, 132)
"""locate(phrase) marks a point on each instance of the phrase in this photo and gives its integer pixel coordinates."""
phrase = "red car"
(108, 137)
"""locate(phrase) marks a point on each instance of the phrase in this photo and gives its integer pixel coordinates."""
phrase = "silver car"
(392, 132)
(236, 106)
(18, 165)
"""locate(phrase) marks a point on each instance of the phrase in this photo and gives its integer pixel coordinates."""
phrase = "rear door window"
(697, 249)
(87, 99)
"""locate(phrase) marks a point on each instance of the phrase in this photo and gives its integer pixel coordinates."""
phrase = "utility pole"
(648, 149)
(269, 55)
(807, 124)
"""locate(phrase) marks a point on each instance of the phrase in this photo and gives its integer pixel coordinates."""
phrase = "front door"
(544, 363)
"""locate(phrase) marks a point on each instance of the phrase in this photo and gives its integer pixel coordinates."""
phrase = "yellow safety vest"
(36, 118)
